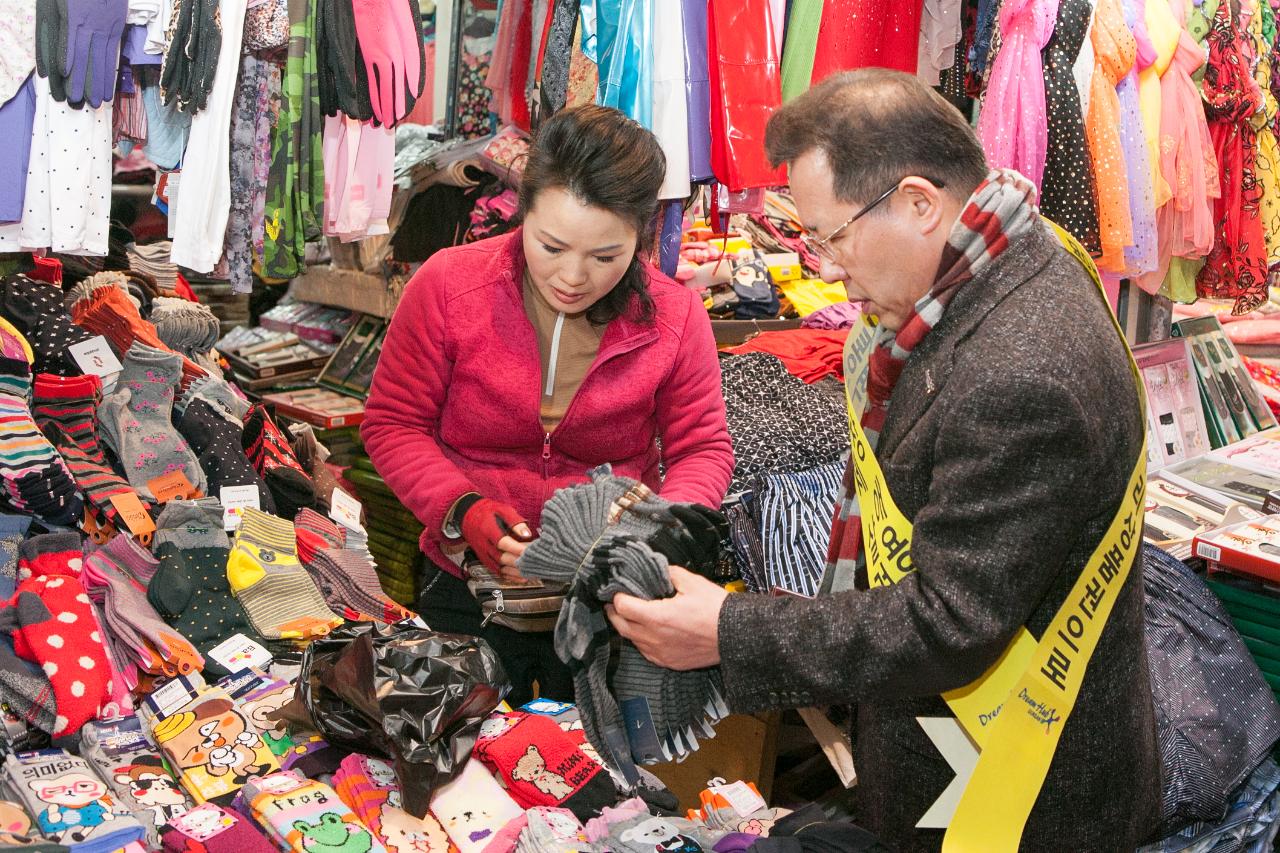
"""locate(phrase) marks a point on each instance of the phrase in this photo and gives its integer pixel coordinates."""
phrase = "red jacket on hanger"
(746, 88)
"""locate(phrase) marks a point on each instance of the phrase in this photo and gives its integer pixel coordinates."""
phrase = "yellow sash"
(1040, 680)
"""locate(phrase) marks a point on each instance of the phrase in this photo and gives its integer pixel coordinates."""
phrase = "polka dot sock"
(66, 410)
(271, 455)
(69, 644)
(36, 308)
(218, 445)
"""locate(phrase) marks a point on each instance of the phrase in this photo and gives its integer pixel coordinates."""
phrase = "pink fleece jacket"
(454, 406)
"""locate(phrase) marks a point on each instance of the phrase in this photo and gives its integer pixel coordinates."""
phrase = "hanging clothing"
(624, 41)
(1268, 162)
(1067, 192)
(867, 33)
(584, 77)
(799, 47)
(244, 138)
(939, 35)
(1237, 266)
(17, 46)
(359, 162)
(1140, 255)
(697, 87)
(1083, 69)
(1163, 32)
(17, 118)
(746, 88)
(68, 188)
(1114, 50)
(670, 108)
(554, 81)
(1013, 125)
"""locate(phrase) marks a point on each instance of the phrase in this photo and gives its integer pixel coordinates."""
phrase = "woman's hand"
(497, 534)
(511, 547)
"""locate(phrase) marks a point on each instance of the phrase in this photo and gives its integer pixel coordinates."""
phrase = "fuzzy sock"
(23, 684)
(68, 644)
(473, 807)
(66, 410)
(137, 420)
(135, 771)
(218, 772)
(72, 806)
(400, 831)
(189, 590)
(303, 816)
(281, 599)
(108, 312)
(541, 765)
(210, 828)
(35, 478)
(649, 834)
(218, 443)
(270, 454)
(125, 603)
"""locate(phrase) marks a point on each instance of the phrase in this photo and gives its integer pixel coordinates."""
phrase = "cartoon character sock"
(367, 785)
(271, 455)
(137, 420)
(473, 807)
(541, 765)
(189, 589)
(552, 829)
(649, 834)
(18, 832)
(210, 828)
(135, 771)
(401, 832)
(305, 816)
(213, 746)
(260, 702)
(72, 806)
(281, 599)
(58, 628)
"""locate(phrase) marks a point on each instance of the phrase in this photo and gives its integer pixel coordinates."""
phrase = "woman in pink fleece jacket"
(516, 364)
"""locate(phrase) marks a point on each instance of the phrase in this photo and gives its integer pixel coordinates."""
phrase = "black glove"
(694, 543)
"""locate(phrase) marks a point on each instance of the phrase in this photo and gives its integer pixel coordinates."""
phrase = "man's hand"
(681, 632)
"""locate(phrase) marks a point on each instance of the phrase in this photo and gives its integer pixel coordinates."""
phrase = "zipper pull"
(546, 449)
(498, 607)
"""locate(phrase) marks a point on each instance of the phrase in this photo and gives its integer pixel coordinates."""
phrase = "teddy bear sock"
(541, 765)
(261, 701)
(210, 828)
(302, 815)
(71, 805)
(281, 599)
(58, 628)
(648, 834)
(473, 807)
(135, 771)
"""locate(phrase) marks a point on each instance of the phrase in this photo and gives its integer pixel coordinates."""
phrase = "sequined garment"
(1067, 193)
(1114, 51)
(867, 33)
(1140, 254)
(1237, 266)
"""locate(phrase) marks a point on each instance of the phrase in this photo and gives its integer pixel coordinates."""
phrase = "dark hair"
(605, 160)
(875, 127)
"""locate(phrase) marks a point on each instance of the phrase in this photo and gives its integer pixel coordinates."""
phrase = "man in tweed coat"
(1010, 426)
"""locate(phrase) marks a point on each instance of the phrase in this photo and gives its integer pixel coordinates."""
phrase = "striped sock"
(277, 593)
(65, 409)
(35, 478)
(270, 454)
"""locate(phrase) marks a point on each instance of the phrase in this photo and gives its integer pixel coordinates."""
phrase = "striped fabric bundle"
(35, 478)
(793, 513)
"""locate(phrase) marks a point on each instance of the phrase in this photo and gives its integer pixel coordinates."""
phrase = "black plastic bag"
(411, 695)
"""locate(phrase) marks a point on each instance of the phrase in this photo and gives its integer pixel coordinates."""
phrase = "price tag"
(95, 356)
(135, 515)
(204, 822)
(744, 801)
(345, 509)
(170, 697)
(171, 486)
(239, 652)
(234, 499)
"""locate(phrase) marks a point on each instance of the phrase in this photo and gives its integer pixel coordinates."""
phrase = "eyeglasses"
(822, 246)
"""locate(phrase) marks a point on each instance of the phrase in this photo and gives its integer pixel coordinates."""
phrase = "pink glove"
(391, 43)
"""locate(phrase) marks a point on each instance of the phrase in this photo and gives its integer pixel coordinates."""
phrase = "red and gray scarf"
(1001, 209)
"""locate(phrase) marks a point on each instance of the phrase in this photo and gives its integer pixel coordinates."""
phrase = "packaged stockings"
(137, 420)
(66, 409)
(218, 443)
(109, 578)
(72, 806)
(213, 746)
(281, 599)
(56, 628)
(541, 765)
(136, 773)
(189, 590)
(473, 807)
(18, 832)
(210, 828)
(35, 478)
(305, 816)
(271, 455)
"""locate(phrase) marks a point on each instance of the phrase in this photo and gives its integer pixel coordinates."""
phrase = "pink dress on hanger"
(1013, 125)
(867, 33)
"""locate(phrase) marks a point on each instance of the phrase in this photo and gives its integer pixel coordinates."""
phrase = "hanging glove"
(344, 85)
(195, 40)
(92, 57)
(50, 36)
(390, 36)
(484, 523)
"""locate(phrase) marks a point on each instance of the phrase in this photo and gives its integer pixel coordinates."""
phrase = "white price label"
(238, 652)
(345, 510)
(234, 499)
(170, 697)
(745, 801)
(95, 357)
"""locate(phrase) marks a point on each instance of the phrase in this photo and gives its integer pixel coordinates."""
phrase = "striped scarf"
(1001, 209)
